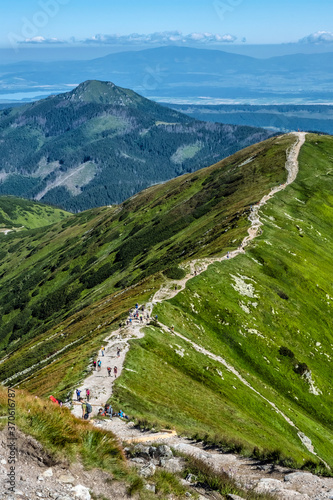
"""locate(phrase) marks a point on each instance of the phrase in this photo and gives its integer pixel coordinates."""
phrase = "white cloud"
(318, 37)
(41, 40)
(165, 37)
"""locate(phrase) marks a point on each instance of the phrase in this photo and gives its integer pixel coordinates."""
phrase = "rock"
(66, 479)
(188, 494)
(142, 451)
(40, 478)
(81, 492)
(266, 485)
(48, 473)
(164, 451)
(148, 470)
(138, 460)
(230, 496)
(190, 478)
(3, 461)
(153, 451)
(173, 465)
(298, 475)
(150, 487)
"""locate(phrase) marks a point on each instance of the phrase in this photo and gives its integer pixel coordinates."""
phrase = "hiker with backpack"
(88, 394)
(78, 394)
(109, 370)
(86, 409)
(115, 371)
(99, 365)
(108, 411)
(95, 364)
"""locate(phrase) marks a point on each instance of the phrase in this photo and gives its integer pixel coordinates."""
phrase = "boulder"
(142, 451)
(298, 475)
(150, 487)
(66, 479)
(164, 451)
(148, 470)
(81, 492)
(48, 473)
(173, 465)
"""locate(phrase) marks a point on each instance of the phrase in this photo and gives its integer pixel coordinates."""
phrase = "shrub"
(175, 273)
(284, 351)
(301, 368)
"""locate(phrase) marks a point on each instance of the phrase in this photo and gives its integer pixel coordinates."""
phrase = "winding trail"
(100, 384)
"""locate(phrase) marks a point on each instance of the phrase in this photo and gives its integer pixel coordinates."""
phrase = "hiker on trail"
(78, 394)
(88, 394)
(227, 255)
(108, 411)
(99, 365)
(101, 413)
(95, 364)
(173, 328)
(109, 370)
(115, 371)
(102, 350)
(137, 306)
(141, 318)
(156, 317)
(118, 352)
(86, 409)
(130, 320)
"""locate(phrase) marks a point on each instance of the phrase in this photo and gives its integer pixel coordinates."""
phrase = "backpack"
(88, 408)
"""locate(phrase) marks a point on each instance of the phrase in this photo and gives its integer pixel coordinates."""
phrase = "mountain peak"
(103, 93)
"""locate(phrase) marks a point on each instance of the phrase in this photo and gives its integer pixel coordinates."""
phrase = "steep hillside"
(18, 214)
(266, 313)
(100, 144)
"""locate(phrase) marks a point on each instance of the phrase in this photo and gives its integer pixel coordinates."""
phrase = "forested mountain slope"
(100, 144)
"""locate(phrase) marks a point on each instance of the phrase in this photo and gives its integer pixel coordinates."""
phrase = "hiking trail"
(101, 384)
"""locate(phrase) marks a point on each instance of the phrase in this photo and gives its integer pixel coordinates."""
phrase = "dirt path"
(306, 486)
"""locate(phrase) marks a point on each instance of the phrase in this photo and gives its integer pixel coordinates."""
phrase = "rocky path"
(277, 480)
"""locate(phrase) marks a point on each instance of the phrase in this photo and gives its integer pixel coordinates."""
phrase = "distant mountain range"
(100, 144)
(192, 75)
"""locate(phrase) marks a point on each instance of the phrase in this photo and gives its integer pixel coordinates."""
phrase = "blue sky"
(38, 22)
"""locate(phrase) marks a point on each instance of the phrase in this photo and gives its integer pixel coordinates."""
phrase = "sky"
(40, 23)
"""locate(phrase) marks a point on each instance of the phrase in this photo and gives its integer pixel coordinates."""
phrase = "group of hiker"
(137, 314)
(78, 394)
(107, 411)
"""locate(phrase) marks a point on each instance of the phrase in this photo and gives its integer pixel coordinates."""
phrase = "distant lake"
(27, 96)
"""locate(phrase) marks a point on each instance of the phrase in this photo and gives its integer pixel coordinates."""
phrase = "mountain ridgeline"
(65, 287)
(100, 144)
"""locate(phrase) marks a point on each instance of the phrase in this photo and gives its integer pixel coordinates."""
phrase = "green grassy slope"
(54, 279)
(288, 269)
(16, 213)
(246, 309)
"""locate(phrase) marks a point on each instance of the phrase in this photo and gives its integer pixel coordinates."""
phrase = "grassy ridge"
(53, 278)
(289, 304)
